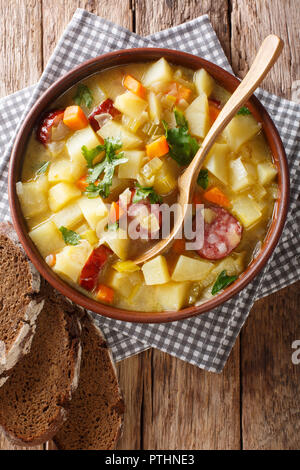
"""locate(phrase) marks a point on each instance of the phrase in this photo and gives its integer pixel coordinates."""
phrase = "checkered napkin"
(207, 340)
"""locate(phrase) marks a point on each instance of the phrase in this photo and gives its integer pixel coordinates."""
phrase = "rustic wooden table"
(254, 403)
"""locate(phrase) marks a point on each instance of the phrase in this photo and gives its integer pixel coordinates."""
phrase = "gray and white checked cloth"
(207, 340)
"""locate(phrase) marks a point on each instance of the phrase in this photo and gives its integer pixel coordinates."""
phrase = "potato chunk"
(160, 71)
(240, 130)
(118, 242)
(130, 104)
(172, 295)
(70, 261)
(266, 172)
(247, 210)
(198, 116)
(61, 194)
(116, 130)
(32, 196)
(228, 264)
(80, 138)
(65, 170)
(69, 216)
(156, 271)
(217, 162)
(47, 238)
(93, 210)
(90, 236)
(191, 269)
(125, 283)
(131, 168)
(259, 148)
(165, 181)
(233, 265)
(240, 177)
(204, 83)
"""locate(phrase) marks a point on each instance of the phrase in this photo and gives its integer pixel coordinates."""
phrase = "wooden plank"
(252, 21)
(188, 408)
(183, 406)
(56, 18)
(20, 65)
(131, 373)
(270, 382)
(20, 44)
(152, 16)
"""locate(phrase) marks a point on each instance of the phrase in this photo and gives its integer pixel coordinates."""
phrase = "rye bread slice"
(19, 303)
(34, 400)
(95, 415)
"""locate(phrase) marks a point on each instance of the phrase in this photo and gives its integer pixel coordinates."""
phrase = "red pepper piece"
(215, 103)
(90, 271)
(214, 107)
(49, 119)
(106, 106)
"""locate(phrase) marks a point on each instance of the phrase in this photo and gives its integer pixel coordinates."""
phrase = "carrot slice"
(115, 212)
(179, 246)
(184, 93)
(75, 118)
(135, 86)
(158, 148)
(216, 196)
(82, 183)
(214, 110)
(197, 199)
(180, 92)
(105, 294)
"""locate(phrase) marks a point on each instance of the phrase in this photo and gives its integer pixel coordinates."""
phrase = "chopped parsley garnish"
(105, 167)
(222, 281)
(144, 192)
(183, 146)
(243, 111)
(202, 179)
(83, 95)
(90, 155)
(43, 168)
(113, 227)
(180, 118)
(70, 237)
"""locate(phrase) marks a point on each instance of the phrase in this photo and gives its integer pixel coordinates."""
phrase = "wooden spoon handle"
(267, 55)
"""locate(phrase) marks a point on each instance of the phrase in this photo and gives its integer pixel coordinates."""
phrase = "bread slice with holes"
(96, 411)
(34, 400)
(20, 303)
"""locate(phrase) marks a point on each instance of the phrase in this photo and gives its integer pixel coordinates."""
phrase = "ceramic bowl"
(112, 59)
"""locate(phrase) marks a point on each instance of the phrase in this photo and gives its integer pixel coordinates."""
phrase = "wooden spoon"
(267, 55)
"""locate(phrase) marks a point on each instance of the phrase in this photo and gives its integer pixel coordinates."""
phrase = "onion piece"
(59, 132)
(102, 118)
(56, 148)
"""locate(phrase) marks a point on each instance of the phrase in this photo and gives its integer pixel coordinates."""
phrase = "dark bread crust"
(20, 304)
(95, 415)
(34, 401)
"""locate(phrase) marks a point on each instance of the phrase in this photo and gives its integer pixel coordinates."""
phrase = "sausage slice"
(221, 235)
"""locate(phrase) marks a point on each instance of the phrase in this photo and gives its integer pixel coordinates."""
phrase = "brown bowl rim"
(123, 57)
